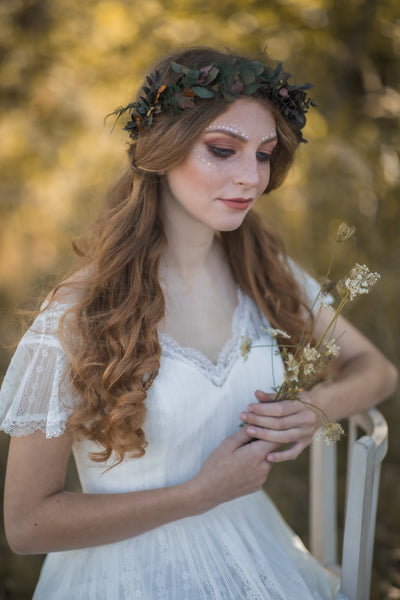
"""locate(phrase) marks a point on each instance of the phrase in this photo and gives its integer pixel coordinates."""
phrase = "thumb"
(263, 397)
(238, 439)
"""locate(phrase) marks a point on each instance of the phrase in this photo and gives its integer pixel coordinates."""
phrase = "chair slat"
(364, 460)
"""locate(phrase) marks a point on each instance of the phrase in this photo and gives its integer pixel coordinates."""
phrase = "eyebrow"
(237, 136)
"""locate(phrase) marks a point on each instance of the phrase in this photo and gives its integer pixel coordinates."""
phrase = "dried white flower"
(309, 369)
(332, 349)
(330, 433)
(344, 232)
(310, 354)
(360, 281)
(310, 357)
(292, 367)
(275, 332)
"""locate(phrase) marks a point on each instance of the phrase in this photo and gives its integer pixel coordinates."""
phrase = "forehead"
(248, 115)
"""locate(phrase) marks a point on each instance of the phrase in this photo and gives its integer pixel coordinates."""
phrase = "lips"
(237, 203)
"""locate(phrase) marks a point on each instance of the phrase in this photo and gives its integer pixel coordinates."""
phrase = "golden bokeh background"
(64, 65)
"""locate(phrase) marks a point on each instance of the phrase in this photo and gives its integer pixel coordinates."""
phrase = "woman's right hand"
(237, 467)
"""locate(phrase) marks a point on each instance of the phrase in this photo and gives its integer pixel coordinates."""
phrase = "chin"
(234, 222)
(230, 226)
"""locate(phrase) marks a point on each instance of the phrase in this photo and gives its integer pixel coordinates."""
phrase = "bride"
(134, 363)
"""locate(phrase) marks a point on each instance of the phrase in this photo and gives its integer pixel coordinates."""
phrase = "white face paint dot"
(233, 128)
(229, 128)
(270, 136)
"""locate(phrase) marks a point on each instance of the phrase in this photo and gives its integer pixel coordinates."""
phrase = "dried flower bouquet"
(307, 362)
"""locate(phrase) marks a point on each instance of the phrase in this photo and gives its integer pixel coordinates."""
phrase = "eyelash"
(225, 153)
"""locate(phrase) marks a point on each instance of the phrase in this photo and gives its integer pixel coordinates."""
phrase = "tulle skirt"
(240, 550)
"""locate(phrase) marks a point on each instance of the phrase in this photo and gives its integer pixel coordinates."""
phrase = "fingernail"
(251, 430)
(250, 408)
(243, 416)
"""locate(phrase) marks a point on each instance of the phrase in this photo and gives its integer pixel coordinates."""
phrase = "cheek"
(205, 159)
(201, 172)
(265, 177)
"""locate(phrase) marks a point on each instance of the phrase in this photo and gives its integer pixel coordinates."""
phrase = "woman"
(128, 364)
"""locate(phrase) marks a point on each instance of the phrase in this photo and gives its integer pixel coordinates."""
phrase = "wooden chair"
(365, 455)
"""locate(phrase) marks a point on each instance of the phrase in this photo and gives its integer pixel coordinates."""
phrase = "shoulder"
(55, 319)
(70, 291)
(310, 287)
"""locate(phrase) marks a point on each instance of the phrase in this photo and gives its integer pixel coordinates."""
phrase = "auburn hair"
(115, 355)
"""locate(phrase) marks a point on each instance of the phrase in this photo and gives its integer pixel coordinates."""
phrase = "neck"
(191, 244)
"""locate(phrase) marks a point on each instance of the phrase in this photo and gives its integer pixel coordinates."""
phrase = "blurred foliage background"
(64, 65)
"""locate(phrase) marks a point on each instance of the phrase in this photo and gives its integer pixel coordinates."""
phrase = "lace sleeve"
(35, 395)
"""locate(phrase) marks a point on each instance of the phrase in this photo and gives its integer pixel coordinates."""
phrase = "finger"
(270, 435)
(259, 448)
(264, 397)
(288, 454)
(277, 423)
(276, 409)
(237, 439)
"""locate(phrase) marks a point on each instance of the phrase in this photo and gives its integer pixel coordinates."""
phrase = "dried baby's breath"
(360, 281)
(333, 349)
(275, 332)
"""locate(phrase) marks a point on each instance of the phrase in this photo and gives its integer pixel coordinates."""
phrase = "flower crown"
(228, 79)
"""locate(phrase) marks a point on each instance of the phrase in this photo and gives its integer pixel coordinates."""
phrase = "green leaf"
(250, 89)
(203, 92)
(256, 67)
(194, 74)
(175, 67)
(247, 75)
(229, 97)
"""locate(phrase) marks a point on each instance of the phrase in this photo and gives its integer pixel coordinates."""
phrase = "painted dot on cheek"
(202, 155)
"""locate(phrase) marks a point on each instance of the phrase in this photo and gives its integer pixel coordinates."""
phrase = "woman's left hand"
(284, 422)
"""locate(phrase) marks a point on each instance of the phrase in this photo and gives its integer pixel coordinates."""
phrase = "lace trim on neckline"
(216, 372)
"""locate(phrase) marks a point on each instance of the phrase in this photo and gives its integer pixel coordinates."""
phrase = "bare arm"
(364, 378)
(41, 517)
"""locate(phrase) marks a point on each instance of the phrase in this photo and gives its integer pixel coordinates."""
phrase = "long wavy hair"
(116, 355)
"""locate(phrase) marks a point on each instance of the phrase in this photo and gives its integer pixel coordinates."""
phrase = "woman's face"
(226, 170)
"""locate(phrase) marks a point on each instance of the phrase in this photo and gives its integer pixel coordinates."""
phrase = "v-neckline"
(219, 370)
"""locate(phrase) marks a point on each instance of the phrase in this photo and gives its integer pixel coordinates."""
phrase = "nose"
(248, 172)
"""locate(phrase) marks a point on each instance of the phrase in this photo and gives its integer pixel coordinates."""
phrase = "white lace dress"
(240, 550)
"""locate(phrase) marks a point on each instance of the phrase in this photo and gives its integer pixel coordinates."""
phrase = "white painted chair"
(365, 455)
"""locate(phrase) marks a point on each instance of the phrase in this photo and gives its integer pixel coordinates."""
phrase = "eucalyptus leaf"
(203, 92)
(247, 75)
(193, 74)
(256, 67)
(250, 88)
(175, 67)
(228, 96)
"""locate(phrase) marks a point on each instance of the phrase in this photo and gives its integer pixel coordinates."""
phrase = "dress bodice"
(192, 406)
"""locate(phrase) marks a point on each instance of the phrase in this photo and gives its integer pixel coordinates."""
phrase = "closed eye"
(221, 152)
(264, 157)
